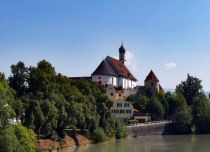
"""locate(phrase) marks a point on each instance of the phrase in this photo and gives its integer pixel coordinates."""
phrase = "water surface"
(194, 143)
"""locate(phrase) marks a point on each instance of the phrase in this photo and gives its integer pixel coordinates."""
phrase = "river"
(181, 143)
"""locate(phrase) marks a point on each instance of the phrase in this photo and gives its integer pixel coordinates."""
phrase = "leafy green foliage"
(140, 103)
(18, 80)
(201, 114)
(18, 139)
(26, 138)
(121, 131)
(176, 103)
(155, 108)
(52, 102)
(191, 88)
(183, 121)
(9, 141)
(6, 103)
(99, 135)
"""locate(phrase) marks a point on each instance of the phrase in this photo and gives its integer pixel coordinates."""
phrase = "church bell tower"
(122, 54)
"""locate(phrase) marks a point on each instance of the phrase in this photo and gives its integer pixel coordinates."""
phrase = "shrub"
(99, 135)
(18, 139)
(26, 137)
(9, 141)
(120, 129)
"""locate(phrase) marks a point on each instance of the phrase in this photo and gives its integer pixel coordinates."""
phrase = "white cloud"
(131, 62)
(170, 66)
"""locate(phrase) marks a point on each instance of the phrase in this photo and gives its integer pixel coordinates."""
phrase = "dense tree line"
(188, 107)
(51, 103)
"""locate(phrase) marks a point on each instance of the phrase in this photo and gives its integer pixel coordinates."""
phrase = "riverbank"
(66, 143)
(69, 142)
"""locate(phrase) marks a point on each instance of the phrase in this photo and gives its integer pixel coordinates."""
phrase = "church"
(114, 72)
(121, 83)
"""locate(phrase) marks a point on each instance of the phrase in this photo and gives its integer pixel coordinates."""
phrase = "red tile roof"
(112, 66)
(151, 76)
(120, 68)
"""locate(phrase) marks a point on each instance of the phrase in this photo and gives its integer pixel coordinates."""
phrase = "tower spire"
(122, 53)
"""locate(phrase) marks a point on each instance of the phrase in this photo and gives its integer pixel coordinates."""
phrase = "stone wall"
(150, 129)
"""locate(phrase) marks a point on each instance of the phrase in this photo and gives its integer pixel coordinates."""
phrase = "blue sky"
(170, 37)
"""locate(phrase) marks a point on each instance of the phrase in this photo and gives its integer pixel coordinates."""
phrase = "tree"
(155, 108)
(176, 103)
(18, 80)
(42, 79)
(6, 102)
(41, 113)
(140, 103)
(34, 117)
(183, 121)
(191, 88)
(163, 99)
(201, 114)
(50, 117)
(6, 114)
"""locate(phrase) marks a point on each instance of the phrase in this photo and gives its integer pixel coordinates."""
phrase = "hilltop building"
(114, 72)
(121, 83)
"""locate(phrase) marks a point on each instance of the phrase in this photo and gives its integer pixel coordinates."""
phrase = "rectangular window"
(122, 111)
(126, 104)
(128, 111)
(119, 104)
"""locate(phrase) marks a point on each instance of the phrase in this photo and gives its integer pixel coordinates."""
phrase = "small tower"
(122, 54)
(152, 82)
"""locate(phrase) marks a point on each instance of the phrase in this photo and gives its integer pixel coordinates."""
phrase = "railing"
(150, 123)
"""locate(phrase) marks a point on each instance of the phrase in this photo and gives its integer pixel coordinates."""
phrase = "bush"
(183, 122)
(120, 129)
(9, 141)
(99, 135)
(18, 139)
(26, 137)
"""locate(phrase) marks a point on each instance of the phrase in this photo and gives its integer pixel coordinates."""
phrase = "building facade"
(114, 72)
(122, 109)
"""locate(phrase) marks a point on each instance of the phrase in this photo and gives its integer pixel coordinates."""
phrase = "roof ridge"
(120, 68)
(151, 76)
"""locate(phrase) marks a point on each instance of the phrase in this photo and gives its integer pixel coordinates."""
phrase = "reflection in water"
(198, 143)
